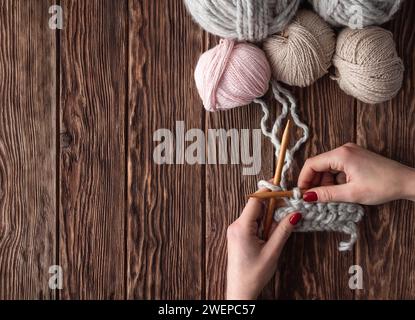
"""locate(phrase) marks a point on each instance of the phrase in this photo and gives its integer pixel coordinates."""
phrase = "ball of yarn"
(232, 75)
(356, 14)
(367, 64)
(250, 20)
(303, 52)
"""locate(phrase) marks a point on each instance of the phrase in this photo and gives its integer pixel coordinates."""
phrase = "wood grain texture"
(225, 190)
(27, 150)
(385, 250)
(226, 186)
(311, 265)
(165, 202)
(92, 155)
(123, 226)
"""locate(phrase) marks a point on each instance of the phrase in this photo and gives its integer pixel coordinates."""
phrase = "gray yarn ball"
(251, 20)
(356, 14)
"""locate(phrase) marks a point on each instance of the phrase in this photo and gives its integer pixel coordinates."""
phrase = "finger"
(254, 208)
(252, 211)
(321, 163)
(314, 181)
(282, 232)
(273, 227)
(334, 193)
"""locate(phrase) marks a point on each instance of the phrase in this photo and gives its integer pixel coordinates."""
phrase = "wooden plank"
(165, 202)
(385, 251)
(311, 265)
(227, 185)
(27, 150)
(92, 155)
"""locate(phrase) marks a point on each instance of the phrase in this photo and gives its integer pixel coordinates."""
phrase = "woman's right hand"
(353, 174)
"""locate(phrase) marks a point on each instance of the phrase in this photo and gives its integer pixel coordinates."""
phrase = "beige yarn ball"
(303, 52)
(367, 64)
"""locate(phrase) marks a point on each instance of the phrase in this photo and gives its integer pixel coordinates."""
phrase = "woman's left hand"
(251, 261)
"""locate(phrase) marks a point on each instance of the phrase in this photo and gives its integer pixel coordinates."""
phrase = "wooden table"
(79, 187)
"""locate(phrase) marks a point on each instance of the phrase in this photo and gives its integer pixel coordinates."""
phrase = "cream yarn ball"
(367, 64)
(303, 52)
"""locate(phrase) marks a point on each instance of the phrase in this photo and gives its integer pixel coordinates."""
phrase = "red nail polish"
(310, 196)
(295, 218)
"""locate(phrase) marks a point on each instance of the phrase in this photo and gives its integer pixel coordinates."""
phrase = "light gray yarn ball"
(251, 20)
(356, 14)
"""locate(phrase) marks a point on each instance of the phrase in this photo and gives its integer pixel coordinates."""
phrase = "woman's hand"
(252, 261)
(353, 174)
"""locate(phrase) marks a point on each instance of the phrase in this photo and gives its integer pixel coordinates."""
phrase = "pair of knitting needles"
(274, 195)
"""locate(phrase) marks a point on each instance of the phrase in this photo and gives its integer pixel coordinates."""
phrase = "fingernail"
(295, 218)
(310, 196)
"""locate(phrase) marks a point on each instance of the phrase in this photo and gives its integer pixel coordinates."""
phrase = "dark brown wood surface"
(27, 150)
(385, 250)
(165, 245)
(93, 97)
(79, 187)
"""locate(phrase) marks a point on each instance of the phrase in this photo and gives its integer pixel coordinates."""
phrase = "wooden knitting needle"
(272, 194)
(277, 178)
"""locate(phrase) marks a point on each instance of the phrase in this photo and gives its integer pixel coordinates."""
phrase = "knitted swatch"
(338, 217)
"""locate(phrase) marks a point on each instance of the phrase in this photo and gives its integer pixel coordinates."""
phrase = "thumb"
(335, 193)
(279, 237)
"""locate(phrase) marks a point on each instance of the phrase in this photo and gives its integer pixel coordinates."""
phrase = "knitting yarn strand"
(286, 99)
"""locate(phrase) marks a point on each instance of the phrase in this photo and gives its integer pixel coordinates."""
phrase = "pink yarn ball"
(232, 75)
